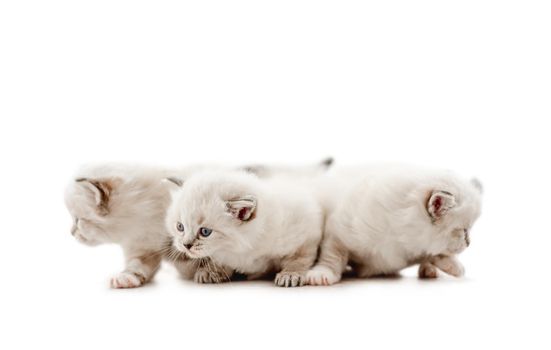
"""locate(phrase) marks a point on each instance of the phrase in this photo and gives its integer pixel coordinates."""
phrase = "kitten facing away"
(384, 218)
(253, 226)
(126, 205)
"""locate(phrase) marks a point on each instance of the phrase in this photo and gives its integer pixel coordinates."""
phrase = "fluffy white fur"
(126, 205)
(383, 218)
(258, 225)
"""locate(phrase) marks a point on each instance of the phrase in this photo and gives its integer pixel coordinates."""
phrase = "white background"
(462, 85)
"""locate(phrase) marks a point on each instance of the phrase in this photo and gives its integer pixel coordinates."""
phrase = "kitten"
(253, 226)
(382, 219)
(126, 205)
(290, 171)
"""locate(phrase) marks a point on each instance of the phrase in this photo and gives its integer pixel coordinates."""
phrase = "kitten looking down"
(253, 226)
(381, 219)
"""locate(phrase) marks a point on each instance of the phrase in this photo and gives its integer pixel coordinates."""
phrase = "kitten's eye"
(180, 227)
(205, 232)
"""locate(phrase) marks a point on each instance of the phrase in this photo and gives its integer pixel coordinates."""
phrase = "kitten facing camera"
(253, 226)
(384, 218)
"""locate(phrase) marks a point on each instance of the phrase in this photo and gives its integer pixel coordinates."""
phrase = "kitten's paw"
(321, 276)
(449, 265)
(427, 271)
(290, 279)
(127, 279)
(205, 276)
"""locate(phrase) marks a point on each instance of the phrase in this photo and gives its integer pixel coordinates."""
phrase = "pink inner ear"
(242, 213)
(437, 204)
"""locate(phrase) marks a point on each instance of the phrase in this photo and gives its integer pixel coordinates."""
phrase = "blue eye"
(180, 227)
(205, 232)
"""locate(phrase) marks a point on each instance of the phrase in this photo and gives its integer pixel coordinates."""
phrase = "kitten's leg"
(202, 270)
(140, 268)
(449, 264)
(210, 272)
(427, 270)
(331, 263)
(186, 267)
(294, 267)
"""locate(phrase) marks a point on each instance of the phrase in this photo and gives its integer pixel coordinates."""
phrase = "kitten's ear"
(101, 189)
(477, 184)
(439, 203)
(327, 163)
(173, 185)
(258, 170)
(242, 208)
(175, 181)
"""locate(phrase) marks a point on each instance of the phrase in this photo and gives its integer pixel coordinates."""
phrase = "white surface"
(462, 85)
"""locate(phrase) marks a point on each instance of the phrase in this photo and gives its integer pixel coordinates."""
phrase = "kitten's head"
(89, 203)
(213, 212)
(453, 212)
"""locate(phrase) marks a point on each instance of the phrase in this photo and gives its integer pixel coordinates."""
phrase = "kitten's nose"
(188, 246)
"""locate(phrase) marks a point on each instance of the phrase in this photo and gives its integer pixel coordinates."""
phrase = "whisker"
(209, 268)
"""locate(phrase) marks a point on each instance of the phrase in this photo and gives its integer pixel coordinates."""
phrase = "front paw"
(427, 271)
(290, 279)
(449, 265)
(127, 279)
(321, 276)
(203, 275)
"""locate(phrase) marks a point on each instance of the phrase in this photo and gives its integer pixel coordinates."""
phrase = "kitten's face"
(203, 222)
(86, 202)
(454, 216)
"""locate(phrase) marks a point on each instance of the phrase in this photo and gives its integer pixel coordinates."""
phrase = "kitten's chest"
(390, 251)
(382, 259)
(246, 263)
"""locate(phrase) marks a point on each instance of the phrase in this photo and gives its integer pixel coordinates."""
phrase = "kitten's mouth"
(84, 240)
(191, 255)
(195, 253)
(187, 252)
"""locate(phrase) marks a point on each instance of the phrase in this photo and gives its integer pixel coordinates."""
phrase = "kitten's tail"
(326, 163)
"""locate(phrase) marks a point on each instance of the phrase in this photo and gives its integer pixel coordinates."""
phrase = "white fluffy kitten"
(381, 219)
(253, 226)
